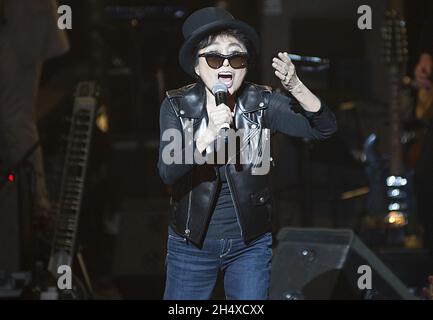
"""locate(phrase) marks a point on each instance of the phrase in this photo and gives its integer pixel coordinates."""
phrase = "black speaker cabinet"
(321, 264)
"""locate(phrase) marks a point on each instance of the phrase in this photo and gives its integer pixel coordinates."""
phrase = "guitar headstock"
(394, 39)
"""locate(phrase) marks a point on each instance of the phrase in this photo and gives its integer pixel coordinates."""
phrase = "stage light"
(396, 219)
(394, 206)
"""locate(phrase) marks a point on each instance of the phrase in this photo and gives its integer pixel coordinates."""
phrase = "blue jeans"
(191, 273)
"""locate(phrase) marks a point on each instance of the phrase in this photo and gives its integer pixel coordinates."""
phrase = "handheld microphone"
(219, 90)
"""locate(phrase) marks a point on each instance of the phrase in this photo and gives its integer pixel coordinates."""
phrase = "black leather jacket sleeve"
(170, 173)
(281, 116)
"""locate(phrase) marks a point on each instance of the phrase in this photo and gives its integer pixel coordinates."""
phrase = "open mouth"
(226, 78)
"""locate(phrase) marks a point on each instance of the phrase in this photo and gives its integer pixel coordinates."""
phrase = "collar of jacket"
(191, 99)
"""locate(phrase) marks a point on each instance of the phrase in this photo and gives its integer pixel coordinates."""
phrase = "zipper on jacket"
(248, 138)
(213, 194)
(234, 203)
(187, 230)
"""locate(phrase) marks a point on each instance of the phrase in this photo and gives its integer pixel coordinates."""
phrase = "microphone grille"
(219, 87)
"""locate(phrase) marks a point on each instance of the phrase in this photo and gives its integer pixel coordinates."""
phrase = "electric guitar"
(389, 186)
(63, 249)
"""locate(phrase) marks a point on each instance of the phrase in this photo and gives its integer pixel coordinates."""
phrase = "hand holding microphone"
(220, 116)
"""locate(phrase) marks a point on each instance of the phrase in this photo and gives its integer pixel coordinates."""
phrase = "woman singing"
(220, 211)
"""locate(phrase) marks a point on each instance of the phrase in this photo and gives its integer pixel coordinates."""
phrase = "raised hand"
(423, 71)
(285, 71)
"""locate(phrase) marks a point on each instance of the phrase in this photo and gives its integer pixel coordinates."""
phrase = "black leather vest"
(193, 195)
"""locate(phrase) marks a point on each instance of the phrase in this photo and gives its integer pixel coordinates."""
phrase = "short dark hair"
(235, 33)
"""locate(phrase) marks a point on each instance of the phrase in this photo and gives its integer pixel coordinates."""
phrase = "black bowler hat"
(204, 22)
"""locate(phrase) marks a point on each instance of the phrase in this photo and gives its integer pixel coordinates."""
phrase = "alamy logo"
(65, 19)
(365, 20)
(365, 280)
(254, 148)
(64, 282)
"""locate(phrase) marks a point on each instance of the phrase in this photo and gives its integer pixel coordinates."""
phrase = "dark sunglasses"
(215, 60)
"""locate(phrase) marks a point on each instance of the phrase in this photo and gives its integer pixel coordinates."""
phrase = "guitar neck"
(74, 175)
(395, 55)
(396, 150)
